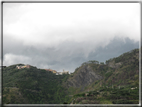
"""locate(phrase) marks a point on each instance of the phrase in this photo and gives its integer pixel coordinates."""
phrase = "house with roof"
(53, 71)
(25, 66)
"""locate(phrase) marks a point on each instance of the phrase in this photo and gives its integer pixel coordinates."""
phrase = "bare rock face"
(112, 64)
(83, 77)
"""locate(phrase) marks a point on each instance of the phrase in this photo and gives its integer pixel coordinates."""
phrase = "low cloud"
(68, 55)
(66, 36)
(47, 26)
(11, 59)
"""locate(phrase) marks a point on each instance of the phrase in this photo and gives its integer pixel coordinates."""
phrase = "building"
(54, 71)
(25, 66)
(48, 69)
(18, 67)
(60, 73)
(57, 73)
(65, 72)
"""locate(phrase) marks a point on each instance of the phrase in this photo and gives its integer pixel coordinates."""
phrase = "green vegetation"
(121, 72)
(120, 77)
(36, 86)
(124, 95)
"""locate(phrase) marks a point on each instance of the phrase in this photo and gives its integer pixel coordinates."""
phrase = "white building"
(65, 72)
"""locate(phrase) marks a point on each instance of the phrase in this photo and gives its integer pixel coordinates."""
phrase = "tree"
(102, 63)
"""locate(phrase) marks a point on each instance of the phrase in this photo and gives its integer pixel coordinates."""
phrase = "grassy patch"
(105, 102)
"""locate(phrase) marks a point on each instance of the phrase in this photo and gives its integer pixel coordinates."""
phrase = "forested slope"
(113, 82)
(34, 85)
(119, 82)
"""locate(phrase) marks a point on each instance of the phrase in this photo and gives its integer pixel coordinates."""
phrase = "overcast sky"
(64, 35)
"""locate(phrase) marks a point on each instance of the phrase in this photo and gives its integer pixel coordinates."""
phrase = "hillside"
(32, 86)
(107, 83)
(91, 83)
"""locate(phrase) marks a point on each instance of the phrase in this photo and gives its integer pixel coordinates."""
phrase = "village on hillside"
(58, 73)
(53, 71)
(25, 66)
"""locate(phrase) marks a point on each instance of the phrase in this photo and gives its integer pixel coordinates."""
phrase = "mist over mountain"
(91, 81)
(96, 42)
(116, 47)
(68, 55)
(70, 36)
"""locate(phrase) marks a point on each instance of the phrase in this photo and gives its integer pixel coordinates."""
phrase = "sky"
(64, 35)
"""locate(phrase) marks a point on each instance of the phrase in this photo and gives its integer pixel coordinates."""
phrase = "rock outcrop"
(112, 64)
(83, 77)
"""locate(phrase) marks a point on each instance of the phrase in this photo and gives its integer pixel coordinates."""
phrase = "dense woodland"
(33, 85)
(119, 85)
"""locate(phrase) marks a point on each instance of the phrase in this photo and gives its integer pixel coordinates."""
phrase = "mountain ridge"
(116, 66)
(46, 87)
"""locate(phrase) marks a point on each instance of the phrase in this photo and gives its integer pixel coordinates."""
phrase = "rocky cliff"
(119, 71)
(90, 82)
(84, 76)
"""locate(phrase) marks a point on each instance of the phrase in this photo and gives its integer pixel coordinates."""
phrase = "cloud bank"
(64, 35)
